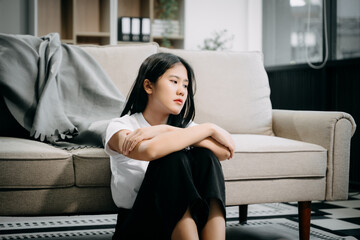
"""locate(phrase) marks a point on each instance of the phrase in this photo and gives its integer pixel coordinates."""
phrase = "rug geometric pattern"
(329, 220)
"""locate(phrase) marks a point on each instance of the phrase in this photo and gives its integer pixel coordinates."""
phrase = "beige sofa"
(281, 156)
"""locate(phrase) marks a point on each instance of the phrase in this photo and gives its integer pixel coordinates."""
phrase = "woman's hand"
(223, 137)
(140, 134)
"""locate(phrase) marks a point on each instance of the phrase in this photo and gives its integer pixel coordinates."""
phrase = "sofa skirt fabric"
(274, 190)
(98, 199)
(56, 201)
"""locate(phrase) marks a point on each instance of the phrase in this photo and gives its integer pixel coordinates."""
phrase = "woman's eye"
(173, 81)
(186, 86)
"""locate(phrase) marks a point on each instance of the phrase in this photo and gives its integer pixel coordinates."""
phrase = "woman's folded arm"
(150, 146)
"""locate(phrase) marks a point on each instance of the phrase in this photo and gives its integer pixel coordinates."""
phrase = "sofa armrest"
(331, 130)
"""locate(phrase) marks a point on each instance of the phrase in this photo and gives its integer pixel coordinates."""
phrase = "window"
(293, 31)
(287, 31)
(348, 29)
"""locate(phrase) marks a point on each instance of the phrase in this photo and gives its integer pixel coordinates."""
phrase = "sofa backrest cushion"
(232, 90)
(122, 62)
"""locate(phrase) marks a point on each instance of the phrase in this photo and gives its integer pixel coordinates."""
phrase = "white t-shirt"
(127, 173)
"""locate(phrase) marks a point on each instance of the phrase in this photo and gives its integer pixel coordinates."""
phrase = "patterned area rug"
(266, 221)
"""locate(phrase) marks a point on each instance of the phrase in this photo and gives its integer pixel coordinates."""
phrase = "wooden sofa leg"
(243, 212)
(304, 209)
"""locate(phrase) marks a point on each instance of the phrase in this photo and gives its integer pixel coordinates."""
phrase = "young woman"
(166, 177)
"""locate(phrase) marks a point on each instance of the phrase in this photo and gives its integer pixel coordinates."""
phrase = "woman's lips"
(178, 101)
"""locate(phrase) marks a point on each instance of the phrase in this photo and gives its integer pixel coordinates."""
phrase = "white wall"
(241, 18)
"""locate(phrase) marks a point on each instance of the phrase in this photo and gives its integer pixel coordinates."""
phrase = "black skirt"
(172, 184)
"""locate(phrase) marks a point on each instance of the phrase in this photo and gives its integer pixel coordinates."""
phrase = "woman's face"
(170, 91)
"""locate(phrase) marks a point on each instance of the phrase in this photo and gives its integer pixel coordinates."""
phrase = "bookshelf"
(77, 21)
(148, 9)
(96, 21)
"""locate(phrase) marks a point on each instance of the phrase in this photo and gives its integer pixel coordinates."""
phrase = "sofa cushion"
(122, 62)
(32, 164)
(232, 90)
(269, 157)
(92, 167)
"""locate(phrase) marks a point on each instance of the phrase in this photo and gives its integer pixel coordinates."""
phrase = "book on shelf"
(124, 29)
(134, 29)
(145, 29)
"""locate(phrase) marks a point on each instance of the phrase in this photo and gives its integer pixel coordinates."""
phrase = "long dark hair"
(152, 69)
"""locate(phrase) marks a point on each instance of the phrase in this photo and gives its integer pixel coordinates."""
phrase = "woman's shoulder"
(132, 121)
(125, 118)
(126, 122)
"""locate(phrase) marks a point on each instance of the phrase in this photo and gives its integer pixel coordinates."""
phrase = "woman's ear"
(148, 86)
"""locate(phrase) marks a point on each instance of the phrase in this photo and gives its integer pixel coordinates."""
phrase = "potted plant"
(218, 42)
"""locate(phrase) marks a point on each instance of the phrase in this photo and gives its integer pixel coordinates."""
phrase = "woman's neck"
(154, 118)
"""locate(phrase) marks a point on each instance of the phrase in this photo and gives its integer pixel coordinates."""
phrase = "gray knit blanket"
(57, 92)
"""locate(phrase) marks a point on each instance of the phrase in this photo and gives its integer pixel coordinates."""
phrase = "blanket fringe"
(58, 139)
(57, 135)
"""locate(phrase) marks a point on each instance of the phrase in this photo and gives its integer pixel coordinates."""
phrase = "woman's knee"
(174, 160)
(206, 167)
(205, 155)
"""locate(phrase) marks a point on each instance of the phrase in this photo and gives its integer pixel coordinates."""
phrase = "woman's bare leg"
(215, 226)
(185, 229)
